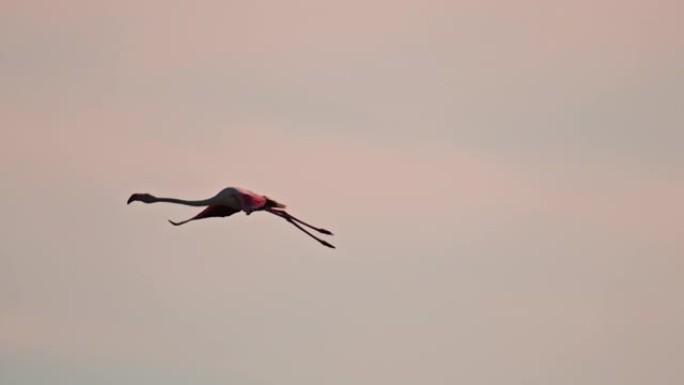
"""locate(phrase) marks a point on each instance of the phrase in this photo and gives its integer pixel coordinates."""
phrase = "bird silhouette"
(232, 200)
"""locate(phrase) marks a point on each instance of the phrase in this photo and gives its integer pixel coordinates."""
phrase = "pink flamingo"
(232, 200)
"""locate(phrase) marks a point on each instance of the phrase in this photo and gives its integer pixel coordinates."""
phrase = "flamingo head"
(146, 198)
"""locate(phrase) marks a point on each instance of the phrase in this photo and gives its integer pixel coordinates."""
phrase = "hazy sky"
(505, 181)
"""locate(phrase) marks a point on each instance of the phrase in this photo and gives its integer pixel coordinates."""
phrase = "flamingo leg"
(283, 213)
(289, 219)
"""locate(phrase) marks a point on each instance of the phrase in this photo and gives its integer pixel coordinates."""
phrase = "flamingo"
(230, 201)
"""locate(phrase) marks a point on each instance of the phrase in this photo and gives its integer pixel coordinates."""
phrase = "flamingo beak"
(132, 199)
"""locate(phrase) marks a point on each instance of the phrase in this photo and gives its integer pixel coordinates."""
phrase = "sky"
(504, 181)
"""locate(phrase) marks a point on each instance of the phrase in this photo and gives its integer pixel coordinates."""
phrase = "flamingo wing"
(210, 211)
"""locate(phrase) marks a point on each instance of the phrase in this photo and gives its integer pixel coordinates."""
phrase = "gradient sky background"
(505, 181)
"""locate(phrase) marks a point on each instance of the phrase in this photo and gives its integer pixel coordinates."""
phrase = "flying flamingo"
(232, 200)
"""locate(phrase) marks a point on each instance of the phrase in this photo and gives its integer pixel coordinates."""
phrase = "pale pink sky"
(504, 179)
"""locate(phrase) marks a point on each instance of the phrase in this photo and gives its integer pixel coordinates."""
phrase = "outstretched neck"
(205, 202)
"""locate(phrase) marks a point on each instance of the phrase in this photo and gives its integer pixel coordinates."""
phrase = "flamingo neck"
(205, 202)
